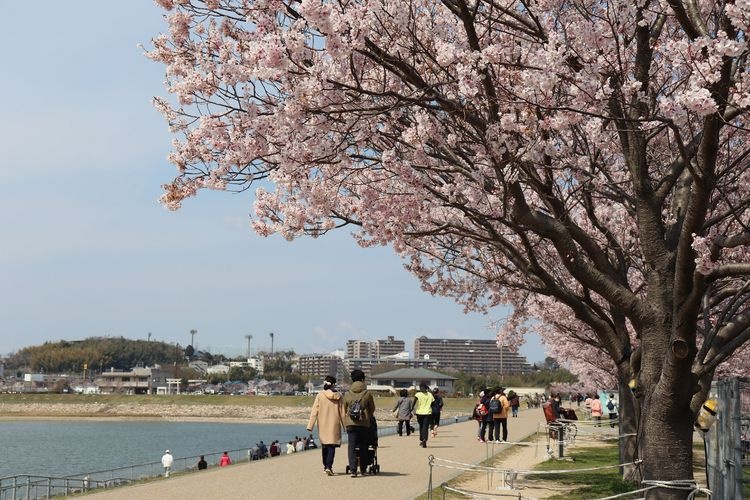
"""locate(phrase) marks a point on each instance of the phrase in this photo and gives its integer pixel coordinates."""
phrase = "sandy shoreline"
(168, 412)
(130, 418)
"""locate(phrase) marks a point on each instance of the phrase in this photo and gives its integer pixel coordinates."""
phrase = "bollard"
(561, 441)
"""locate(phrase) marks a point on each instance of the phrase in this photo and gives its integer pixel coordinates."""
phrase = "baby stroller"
(370, 463)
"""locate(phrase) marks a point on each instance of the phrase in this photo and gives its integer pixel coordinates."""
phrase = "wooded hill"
(98, 353)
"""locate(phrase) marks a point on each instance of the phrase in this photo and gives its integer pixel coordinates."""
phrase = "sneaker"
(354, 474)
(497, 441)
(329, 472)
(482, 440)
(423, 444)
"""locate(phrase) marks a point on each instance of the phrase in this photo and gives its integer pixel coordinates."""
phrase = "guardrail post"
(430, 460)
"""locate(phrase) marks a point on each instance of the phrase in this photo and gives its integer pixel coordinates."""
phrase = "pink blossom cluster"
(585, 163)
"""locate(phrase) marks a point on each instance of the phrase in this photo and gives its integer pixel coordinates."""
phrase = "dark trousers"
(436, 420)
(424, 422)
(496, 424)
(328, 451)
(401, 425)
(612, 419)
(483, 429)
(359, 437)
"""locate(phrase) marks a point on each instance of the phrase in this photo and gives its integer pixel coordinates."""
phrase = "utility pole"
(249, 338)
(271, 335)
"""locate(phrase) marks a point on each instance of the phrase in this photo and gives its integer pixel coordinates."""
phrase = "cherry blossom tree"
(585, 159)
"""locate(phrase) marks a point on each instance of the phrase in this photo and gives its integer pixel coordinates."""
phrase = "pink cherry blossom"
(584, 163)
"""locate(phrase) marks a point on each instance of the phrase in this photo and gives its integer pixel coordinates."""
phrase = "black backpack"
(610, 405)
(357, 410)
(494, 405)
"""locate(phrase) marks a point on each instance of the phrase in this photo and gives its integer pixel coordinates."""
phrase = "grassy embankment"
(607, 482)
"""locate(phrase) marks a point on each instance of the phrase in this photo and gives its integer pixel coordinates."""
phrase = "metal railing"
(30, 487)
(26, 487)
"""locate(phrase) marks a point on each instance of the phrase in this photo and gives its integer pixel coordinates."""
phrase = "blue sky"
(87, 250)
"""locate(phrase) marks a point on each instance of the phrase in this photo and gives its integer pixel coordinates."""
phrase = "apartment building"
(320, 365)
(470, 355)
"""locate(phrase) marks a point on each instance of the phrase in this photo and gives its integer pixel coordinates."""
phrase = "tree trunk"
(628, 428)
(666, 444)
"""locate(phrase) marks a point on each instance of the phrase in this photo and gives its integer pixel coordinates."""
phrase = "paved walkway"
(404, 470)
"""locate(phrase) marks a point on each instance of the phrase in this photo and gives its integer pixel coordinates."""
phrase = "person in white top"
(166, 461)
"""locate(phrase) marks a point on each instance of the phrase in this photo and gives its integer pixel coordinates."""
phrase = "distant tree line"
(97, 353)
(103, 353)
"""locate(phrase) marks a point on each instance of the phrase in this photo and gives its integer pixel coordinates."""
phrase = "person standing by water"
(404, 409)
(328, 412)
(166, 461)
(225, 460)
(423, 409)
(359, 408)
(437, 407)
(202, 464)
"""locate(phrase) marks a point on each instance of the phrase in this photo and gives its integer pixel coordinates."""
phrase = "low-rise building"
(410, 378)
(139, 380)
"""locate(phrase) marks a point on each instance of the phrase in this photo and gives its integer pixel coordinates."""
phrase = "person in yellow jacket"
(423, 410)
(500, 415)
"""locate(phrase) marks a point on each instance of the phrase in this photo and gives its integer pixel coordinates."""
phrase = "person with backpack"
(359, 408)
(486, 419)
(515, 402)
(328, 412)
(423, 409)
(479, 412)
(612, 409)
(437, 407)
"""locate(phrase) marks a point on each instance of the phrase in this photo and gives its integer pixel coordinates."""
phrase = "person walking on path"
(359, 407)
(225, 460)
(596, 410)
(612, 410)
(328, 412)
(404, 409)
(166, 461)
(423, 409)
(499, 407)
(437, 407)
(515, 403)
